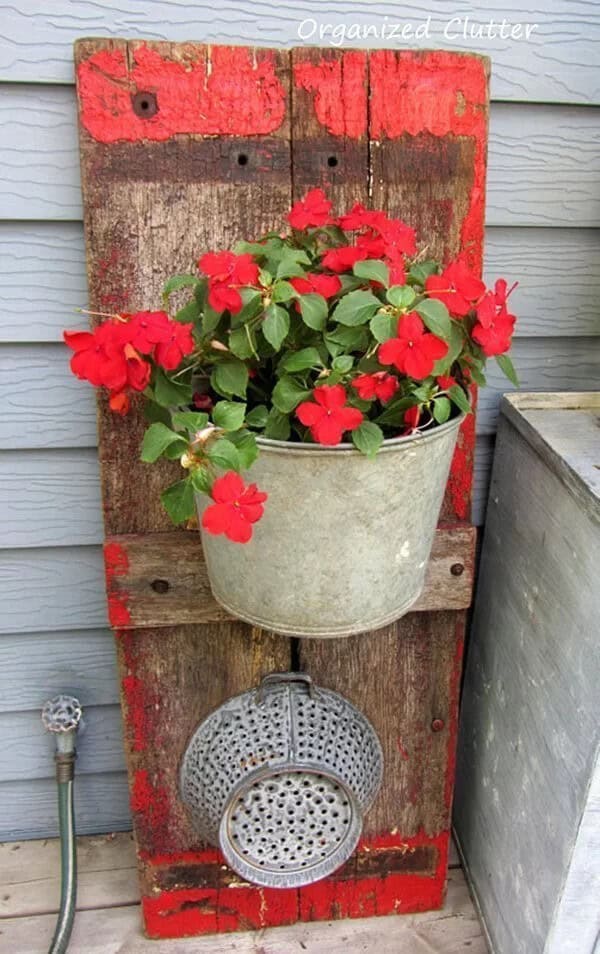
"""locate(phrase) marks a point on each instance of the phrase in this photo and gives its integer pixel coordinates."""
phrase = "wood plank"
(558, 271)
(28, 750)
(54, 498)
(555, 64)
(29, 808)
(59, 588)
(81, 662)
(110, 931)
(161, 579)
(30, 874)
(544, 165)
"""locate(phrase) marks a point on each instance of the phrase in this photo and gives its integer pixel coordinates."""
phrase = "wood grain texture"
(30, 880)
(115, 929)
(36, 666)
(29, 808)
(160, 579)
(53, 497)
(558, 271)
(544, 163)
(529, 728)
(556, 64)
(27, 751)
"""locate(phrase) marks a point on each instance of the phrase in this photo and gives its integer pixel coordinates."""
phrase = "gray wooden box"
(527, 803)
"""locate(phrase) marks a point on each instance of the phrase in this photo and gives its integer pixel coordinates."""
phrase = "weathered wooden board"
(544, 161)
(529, 726)
(554, 64)
(114, 929)
(36, 666)
(160, 579)
(558, 271)
(29, 808)
(27, 751)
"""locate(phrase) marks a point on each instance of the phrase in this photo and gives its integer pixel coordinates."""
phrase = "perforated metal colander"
(280, 778)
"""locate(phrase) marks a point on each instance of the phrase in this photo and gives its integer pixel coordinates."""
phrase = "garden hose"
(62, 716)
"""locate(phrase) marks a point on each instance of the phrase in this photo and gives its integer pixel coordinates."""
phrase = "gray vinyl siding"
(543, 227)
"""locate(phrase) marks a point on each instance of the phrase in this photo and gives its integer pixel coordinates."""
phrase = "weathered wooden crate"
(527, 810)
(187, 147)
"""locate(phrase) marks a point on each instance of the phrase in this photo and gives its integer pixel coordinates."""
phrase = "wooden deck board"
(108, 918)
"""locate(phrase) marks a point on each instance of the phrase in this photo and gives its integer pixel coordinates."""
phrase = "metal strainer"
(280, 778)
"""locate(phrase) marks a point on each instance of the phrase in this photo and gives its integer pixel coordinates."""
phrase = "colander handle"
(281, 678)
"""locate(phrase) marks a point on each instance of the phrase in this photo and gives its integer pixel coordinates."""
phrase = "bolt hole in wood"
(160, 586)
(457, 569)
(144, 104)
(332, 161)
(242, 159)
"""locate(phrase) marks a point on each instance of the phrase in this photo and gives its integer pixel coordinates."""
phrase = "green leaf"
(314, 310)
(154, 412)
(421, 271)
(343, 363)
(171, 393)
(176, 282)
(242, 342)
(302, 360)
(210, 320)
(190, 421)
(401, 296)
(189, 313)
(290, 263)
(383, 327)
(276, 325)
(230, 377)
(507, 367)
(156, 440)
(229, 415)
(458, 397)
(287, 394)
(350, 339)
(393, 414)
(257, 417)
(374, 270)
(283, 291)
(356, 308)
(178, 500)
(367, 438)
(441, 409)
(477, 374)
(246, 447)
(251, 307)
(436, 317)
(224, 454)
(201, 480)
(278, 425)
(455, 346)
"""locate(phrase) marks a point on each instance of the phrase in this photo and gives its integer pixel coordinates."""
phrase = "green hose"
(68, 854)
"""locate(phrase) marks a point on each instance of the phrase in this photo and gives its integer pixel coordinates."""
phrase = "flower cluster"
(340, 330)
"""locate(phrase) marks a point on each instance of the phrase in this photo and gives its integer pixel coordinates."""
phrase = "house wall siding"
(543, 226)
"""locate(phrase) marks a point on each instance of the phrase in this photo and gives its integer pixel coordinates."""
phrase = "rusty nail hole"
(456, 569)
(332, 161)
(242, 159)
(160, 586)
(437, 725)
(144, 105)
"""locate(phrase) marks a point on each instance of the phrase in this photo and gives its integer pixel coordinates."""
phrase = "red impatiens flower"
(154, 332)
(445, 382)
(411, 419)
(457, 288)
(313, 210)
(106, 358)
(494, 327)
(414, 351)
(226, 272)
(380, 385)
(325, 285)
(328, 416)
(235, 508)
(342, 259)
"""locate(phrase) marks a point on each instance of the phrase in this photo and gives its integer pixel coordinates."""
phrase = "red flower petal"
(330, 396)
(227, 488)
(328, 430)
(308, 413)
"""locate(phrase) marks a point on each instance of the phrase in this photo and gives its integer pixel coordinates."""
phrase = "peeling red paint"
(454, 695)
(442, 93)
(460, 479)
(150, 803)
(116, 563)
(340, 92)
(401, 749)
(229, 94)
(182, 912)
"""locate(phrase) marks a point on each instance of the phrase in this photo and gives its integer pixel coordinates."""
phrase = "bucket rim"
(346, 448)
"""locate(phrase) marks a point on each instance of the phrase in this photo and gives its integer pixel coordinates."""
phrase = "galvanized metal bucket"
(280, 777)
(344, 541)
